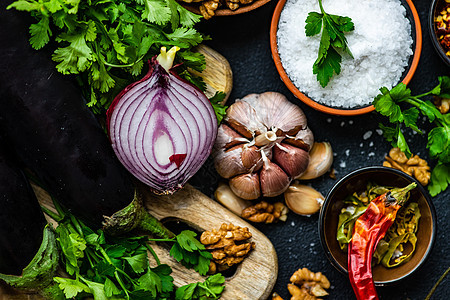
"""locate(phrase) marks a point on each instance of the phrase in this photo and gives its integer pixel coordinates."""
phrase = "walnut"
(264, 212)
(208, 8)
(275, 296)
(232, 4)
(311, 284)
(443, 104)
(414, 166)
(299, 293)
(223, 246)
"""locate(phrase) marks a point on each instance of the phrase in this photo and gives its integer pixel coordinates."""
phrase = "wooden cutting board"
(256, 275)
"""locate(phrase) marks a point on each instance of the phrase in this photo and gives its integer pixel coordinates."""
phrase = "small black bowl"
(435, 4)
(356, 181)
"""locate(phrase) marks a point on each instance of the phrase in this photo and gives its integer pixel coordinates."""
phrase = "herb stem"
(321, 8)
(52, 214)
(158, 262)
(436, 284)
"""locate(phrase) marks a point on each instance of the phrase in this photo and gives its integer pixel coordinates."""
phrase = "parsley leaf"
(333, 39)
(211, 288)
(107, 42)
(190, 252)
(219, 108)
(71, 287)
(392, 104)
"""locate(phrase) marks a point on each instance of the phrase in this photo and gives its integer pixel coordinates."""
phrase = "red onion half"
(162, 128)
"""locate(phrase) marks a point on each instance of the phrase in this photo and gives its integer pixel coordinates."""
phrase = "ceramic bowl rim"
(357, 172)
(327, 109)
(433, 36)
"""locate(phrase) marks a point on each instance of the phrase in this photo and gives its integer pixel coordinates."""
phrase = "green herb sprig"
(332, 41)
(402, 108)
(107, 42)
(107, 267)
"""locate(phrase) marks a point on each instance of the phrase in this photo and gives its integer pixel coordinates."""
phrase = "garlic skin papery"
(262, 144)
(303, 199)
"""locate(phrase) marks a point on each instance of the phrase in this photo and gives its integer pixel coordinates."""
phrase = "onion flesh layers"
(162, 128)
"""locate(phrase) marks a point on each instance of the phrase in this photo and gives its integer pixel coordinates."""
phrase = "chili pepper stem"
(400, 194)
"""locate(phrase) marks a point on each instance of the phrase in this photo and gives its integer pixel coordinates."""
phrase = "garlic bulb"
(303, 200)
(320, 161)
(262, 145)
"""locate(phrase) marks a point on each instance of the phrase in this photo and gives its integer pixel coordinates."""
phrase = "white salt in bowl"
(416, 34)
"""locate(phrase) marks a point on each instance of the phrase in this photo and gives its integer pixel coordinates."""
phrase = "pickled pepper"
(369, 229)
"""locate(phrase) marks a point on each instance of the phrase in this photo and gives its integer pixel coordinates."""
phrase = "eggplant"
(52, 130)
(21, 219)
(54, 134)
(28, 251)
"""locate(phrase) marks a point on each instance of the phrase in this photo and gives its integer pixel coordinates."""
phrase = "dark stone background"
(244, 41)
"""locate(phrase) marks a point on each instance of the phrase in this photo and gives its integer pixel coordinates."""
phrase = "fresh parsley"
(332, 42)
(108, 267)
(219, 108)
(107, 42)
(211, 288)
(403, 109)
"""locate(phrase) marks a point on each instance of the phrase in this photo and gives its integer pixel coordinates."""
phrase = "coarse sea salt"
(381, 45)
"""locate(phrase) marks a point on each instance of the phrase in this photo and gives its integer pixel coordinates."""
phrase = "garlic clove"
(303, 200)
(250, 156)
(292, 160)
(228, 138)
(303, 139)
(274, 181)
(227, 198)
(320, 161)
(246, 186)
(228, 163)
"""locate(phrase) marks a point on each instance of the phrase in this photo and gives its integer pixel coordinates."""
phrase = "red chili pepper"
(369, 229)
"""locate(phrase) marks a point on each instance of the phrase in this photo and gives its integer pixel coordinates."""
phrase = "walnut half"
(414, 166)
(227, 245)
(265, 212)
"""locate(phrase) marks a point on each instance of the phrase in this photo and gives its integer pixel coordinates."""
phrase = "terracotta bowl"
(224, 11)
(416, 30)
(435, 4)
(356, 181)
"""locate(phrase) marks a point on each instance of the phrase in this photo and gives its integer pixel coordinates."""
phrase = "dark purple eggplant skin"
(21, 219)
(52, 131)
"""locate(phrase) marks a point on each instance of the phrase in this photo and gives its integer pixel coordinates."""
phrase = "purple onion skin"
(162, 129)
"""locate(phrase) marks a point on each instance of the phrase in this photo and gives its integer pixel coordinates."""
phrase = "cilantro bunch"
(332, 41)
(107, 42)
(403, 109)
(107, 267)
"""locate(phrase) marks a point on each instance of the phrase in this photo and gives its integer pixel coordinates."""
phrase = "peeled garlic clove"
(228, 163)
(246, 186)
(250, 156)
(292, 160)
(303, 200)
(227, 198)
(320, 161)
(274, 181)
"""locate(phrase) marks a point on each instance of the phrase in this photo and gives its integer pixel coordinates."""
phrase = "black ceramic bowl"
(356, 181)
(436, 6)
